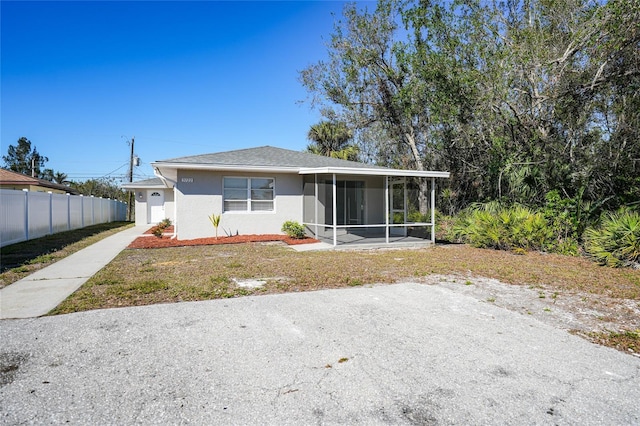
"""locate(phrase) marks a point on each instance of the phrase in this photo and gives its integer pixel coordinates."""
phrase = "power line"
(112, 172)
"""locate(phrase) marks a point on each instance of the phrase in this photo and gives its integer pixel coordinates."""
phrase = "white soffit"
(373, 172)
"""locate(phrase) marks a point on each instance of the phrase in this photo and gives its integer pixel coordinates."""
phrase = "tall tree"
(22, 159)
(365, 83)
(331, 139)
(515, 98)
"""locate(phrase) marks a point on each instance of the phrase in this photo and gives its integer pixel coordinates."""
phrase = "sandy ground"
(577, 312)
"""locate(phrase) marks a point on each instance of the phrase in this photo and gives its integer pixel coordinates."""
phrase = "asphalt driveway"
(393, 354)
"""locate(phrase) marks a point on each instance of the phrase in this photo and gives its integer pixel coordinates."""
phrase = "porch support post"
(315, 217)
(335, 211)
(386, 209)
(433, 210)
(404, 206)
(175, 209)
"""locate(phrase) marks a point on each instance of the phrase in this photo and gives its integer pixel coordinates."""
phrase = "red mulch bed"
(167, 230)
(146, 242)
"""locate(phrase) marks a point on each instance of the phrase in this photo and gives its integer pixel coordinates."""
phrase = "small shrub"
(215, 221)
(158, 230)
(617, 241)
(293, 229)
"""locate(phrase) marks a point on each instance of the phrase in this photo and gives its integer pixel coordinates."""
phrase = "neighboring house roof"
(7, 177)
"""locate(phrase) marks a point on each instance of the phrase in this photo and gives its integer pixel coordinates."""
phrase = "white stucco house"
(256, 190)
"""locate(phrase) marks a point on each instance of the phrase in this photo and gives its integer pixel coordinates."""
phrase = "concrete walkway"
(40, 292)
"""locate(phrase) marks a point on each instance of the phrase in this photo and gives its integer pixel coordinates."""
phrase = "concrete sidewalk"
(43, 290)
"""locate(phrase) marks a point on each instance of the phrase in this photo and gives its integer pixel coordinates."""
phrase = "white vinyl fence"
(25, 215)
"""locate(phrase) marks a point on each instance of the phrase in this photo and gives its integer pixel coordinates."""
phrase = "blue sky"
(79, 79)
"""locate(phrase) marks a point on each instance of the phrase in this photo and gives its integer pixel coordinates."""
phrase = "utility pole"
(35, 160)
(131, 195)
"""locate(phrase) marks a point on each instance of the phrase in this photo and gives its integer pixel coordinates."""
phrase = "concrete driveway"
(396, 354)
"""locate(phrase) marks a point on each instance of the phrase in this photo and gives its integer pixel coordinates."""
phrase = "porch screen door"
(350, 202)
(398, 210)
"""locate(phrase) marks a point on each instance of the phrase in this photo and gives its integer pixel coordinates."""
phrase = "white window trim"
(248, 199)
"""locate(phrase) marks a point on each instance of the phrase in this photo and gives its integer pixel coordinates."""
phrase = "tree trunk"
(423, 184)
(423, 195)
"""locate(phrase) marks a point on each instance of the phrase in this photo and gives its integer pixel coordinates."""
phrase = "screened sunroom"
(370, 206)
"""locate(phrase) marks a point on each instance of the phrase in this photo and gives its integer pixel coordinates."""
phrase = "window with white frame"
(248, 194)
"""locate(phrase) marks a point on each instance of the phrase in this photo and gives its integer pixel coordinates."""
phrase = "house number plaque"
(186, 180)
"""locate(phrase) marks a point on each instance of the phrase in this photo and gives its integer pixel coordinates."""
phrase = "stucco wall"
(142, 209)
(199, 194)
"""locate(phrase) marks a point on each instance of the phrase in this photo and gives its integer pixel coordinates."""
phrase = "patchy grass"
(164, 275)
(142, 277)
(21, 259)
(626, 340)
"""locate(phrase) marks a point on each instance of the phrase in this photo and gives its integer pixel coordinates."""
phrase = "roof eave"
(144, 186)
(373, 172)
(226, 167)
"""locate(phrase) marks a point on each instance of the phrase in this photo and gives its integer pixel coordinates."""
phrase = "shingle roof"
(144, 183)
(266, 156)
(7, 177)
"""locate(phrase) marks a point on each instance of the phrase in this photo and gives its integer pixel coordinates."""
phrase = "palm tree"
(330, 138)
(61, 178)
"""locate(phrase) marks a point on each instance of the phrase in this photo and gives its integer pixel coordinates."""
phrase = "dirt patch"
(599, 318)
(148, 242)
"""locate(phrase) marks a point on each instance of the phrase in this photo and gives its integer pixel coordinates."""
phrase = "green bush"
(158, 230)
(293, 229)
(567, 218)
(616, 242)
(416, 216)
(504, 228)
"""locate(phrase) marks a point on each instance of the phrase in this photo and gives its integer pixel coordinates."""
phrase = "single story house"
(256, 190)
(20, 182)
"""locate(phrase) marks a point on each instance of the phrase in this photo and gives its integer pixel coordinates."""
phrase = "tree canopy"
(331, 139)
(516, 99)
(21, 158)
(103, 187)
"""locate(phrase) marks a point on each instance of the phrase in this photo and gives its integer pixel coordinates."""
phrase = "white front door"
(155, 201)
